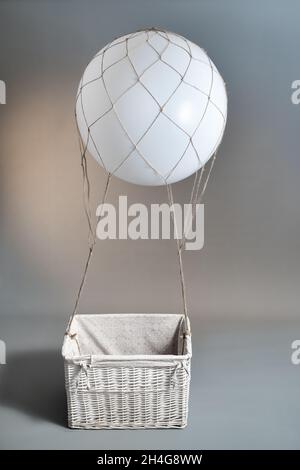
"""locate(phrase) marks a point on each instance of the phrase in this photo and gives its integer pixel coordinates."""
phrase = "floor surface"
(244, 394)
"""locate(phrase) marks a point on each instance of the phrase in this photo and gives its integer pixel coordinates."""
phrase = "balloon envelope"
(151, 107)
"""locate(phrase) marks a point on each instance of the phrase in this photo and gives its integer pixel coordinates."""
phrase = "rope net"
(201, 176)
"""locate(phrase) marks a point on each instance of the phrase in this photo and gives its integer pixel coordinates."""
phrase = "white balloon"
(151, 107)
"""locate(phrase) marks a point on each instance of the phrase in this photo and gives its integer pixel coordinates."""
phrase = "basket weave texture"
(127, 371)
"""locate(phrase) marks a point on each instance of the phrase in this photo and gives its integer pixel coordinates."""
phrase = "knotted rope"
(198, 189)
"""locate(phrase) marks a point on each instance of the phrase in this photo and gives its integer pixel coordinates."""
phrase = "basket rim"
(129, 314)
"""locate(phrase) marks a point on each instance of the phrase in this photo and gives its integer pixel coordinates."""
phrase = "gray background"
(243, 286)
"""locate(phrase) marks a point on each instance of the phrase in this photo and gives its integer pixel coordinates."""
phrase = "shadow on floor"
(33, 382)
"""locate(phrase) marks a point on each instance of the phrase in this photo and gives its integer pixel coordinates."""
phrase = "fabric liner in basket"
(126, 334)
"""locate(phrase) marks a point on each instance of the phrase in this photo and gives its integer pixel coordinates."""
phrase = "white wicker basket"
(127, 371)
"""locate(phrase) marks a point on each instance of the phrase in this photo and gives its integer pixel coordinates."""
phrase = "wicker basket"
(127, 371)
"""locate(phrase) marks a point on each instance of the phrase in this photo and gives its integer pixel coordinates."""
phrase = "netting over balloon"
(151, 107)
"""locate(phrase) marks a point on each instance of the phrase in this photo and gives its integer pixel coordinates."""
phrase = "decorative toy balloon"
(151, 107)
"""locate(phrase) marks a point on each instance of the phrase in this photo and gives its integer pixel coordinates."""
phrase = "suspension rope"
(179, 256)
(198, 188)
(89, 257)
(197, 199)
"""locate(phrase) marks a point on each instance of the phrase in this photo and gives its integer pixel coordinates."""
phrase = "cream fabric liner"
(125, 335)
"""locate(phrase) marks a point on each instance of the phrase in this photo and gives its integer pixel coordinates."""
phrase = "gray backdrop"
(243, 286)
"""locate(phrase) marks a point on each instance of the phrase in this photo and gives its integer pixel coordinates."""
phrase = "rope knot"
(178, 365)
(83, 369)
(173, 380)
